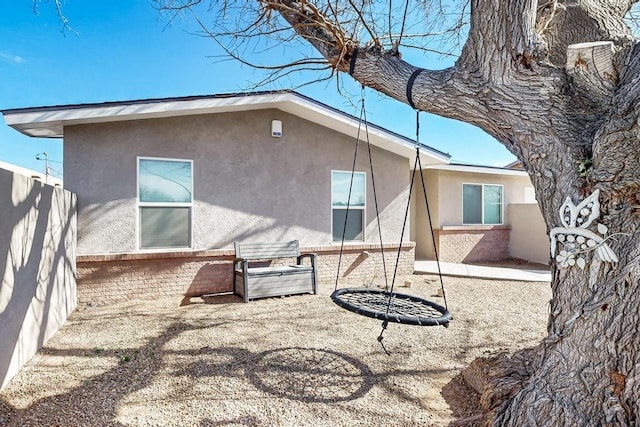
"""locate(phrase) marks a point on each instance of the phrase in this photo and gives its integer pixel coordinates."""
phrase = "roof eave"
(490, 170)
(49, 122)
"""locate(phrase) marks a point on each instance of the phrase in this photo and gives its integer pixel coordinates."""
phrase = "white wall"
(450, 192)
(529, 239)
(37, 267)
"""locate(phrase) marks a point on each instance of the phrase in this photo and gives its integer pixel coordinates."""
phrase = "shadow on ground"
(280, 361)
(310, 375)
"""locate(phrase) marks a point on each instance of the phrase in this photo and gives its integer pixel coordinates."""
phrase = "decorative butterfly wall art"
(573, 240)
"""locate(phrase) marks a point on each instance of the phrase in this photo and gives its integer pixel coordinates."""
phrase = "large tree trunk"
(575, 131)
(588, 368)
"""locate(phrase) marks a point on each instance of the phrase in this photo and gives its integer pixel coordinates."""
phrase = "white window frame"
(362, 208)
(140, 205)
(482, 202)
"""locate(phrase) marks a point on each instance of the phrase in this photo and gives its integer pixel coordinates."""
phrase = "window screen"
(165, 227)
(353, 229)
(471, 204)
(492, 204)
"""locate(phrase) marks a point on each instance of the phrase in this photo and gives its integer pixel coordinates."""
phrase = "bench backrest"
(267, 250)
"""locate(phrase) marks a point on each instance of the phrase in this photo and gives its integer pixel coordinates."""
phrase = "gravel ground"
(294, 361)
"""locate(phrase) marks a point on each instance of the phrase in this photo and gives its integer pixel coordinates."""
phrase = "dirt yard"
(295, 361)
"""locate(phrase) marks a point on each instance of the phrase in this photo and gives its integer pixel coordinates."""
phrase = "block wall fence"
(115, 277)
(37, 267)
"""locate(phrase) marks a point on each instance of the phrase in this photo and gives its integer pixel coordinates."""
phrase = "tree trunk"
(586, 372)
(587, 368)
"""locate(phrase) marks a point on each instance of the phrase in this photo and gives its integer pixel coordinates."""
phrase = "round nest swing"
(384, 305)
(392, 306)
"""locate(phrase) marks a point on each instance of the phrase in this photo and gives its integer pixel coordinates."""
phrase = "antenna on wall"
(47, 171)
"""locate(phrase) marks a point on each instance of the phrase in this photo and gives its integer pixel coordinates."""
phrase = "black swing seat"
(392, 307)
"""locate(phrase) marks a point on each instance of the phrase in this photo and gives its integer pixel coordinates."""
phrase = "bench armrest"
(311, 256)
(314, 276)
(240, 264)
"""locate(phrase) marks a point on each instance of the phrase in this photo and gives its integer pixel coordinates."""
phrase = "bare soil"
(294, 361)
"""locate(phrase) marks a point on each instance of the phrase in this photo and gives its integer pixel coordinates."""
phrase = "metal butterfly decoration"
(574, 240)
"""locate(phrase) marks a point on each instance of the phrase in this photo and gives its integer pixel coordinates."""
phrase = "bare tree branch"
(66, 25)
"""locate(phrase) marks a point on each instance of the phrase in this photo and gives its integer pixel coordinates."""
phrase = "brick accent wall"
(115, 277)
(362, 264)
(473, 243)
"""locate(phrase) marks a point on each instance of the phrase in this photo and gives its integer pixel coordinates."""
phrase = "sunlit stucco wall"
(444, 191)
(248, 185)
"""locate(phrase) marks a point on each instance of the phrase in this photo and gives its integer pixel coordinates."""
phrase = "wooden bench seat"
(252, 279)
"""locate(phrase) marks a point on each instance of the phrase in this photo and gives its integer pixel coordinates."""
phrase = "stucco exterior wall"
(529, 237)
(248, 186)
(450, 193)
(465, 243)
(421, 229)
(37, 267)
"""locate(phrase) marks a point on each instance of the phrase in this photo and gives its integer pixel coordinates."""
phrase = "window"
(481, 204)
(340, 184)
(165, 202)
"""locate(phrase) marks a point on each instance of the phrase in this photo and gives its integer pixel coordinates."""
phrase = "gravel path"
(295, 361)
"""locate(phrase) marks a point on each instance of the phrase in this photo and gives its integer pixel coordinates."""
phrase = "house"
(479, 214)
(165, 186)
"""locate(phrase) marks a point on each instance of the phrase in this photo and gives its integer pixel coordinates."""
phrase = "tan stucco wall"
(529, 239)
(37, 267)
(247, 185)
(444, 189)
(421, 228)
(450, 195)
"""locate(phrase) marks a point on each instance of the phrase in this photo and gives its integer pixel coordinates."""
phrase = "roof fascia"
(339, 121)
(49, 122)
(478, 169)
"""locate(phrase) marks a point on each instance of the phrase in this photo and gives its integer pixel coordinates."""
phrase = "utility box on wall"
(276, 128)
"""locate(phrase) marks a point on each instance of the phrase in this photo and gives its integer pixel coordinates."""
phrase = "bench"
(259, 281)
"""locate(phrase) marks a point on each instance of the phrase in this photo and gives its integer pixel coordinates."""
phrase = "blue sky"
(124, 51)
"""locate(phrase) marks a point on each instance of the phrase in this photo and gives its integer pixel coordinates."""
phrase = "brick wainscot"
(115, 277)
(473, 243)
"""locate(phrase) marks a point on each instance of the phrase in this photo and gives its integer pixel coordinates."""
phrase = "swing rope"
(387, 305)
(395, 270)
(362, 120)
(409, 93)
(417, 166)
(426, 200)
(375, 198)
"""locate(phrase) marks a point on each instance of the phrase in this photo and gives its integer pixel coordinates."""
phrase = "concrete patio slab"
(482, 271)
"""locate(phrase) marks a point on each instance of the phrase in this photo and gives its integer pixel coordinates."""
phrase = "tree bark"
(588, 373)
(511, 81)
